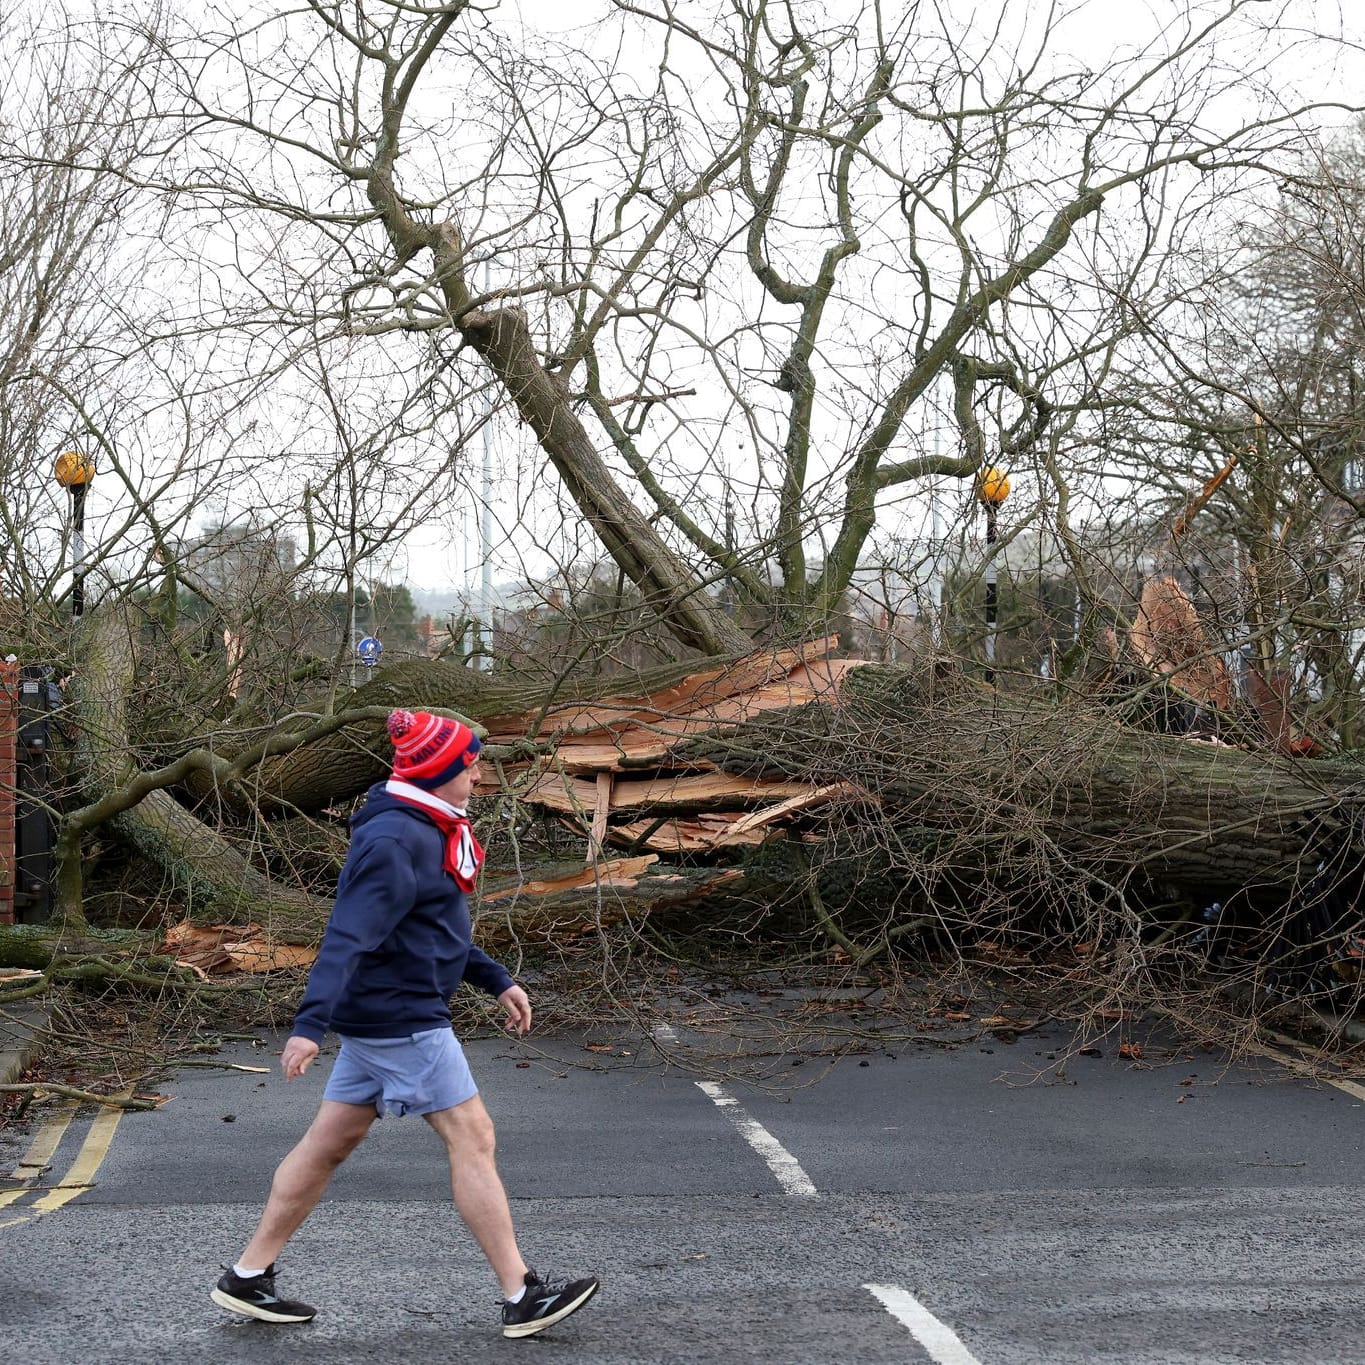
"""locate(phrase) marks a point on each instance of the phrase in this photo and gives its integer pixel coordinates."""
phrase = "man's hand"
(297, 1056)
(518, 1007)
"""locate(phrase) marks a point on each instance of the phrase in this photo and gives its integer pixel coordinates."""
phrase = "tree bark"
(204, 869)
(1061, 793)
(36, 945)
(1070, 781)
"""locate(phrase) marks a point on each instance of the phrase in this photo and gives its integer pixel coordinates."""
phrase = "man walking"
(397, 947)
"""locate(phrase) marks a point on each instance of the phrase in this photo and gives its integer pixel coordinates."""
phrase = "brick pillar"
(9, 741)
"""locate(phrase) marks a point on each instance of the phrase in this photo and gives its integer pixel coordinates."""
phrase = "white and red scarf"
(464, 856)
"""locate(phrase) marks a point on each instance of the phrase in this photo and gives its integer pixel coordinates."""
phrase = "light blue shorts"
(418, 1075)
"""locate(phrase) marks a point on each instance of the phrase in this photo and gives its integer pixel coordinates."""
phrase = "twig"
(85, 1096)
(177, 1063)
(38, 1189)
(859, 956)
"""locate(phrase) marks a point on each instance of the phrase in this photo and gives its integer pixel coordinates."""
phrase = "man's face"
(460, 787)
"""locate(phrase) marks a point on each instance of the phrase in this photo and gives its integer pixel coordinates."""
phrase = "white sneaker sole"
(251, 1310)
(527, 1329)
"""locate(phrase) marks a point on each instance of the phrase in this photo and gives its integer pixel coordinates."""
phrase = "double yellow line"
(39, 1157)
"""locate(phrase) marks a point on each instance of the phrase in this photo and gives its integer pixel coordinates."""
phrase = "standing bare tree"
(1242, 419)
(744, 262)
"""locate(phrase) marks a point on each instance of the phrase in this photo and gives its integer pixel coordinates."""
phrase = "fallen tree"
(913, 795)
(916, 794)
(783, 726)
(883, 807)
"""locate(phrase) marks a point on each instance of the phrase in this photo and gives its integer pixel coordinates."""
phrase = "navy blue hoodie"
(398, 942)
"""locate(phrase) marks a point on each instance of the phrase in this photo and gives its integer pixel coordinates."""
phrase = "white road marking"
(936, 1337)
(780, 1161)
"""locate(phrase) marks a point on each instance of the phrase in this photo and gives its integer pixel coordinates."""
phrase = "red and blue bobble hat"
(430, 750)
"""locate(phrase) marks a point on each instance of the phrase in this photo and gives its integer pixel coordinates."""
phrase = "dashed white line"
(942, 1343)
(938, 1339)
(780, 1161)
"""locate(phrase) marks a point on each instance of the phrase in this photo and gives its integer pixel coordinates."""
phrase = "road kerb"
(17, 1028)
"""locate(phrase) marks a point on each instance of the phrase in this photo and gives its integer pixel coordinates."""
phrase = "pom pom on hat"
(430, 750)
(400, 722)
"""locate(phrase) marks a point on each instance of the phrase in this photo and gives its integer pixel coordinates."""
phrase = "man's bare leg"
(302, 1176)
(467, 1132)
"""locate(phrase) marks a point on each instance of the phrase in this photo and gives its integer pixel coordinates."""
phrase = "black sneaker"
(255, 1298)
(544, 1304)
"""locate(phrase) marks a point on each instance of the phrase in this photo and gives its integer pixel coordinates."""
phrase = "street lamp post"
(992, 488)
(74, 472)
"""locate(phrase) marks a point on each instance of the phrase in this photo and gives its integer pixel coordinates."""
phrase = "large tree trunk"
(666, 582)
(341, 765)
(1024, 791)
(1064, 781)
(202, 867)
(1066, 784)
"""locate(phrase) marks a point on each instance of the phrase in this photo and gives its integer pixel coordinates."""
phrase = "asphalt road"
(1185, 1212)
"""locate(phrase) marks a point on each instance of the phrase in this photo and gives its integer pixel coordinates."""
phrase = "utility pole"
(484, 656)
(935, 562)
(936, 546)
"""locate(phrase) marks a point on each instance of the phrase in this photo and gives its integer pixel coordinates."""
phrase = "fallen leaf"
(1133, 1051)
